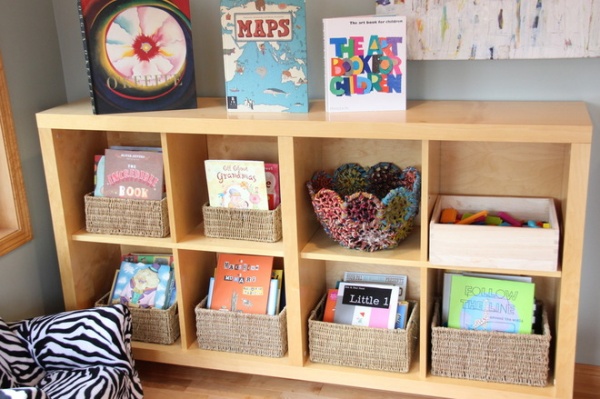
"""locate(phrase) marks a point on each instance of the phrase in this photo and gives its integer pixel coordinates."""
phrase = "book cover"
(330, 302)
(272, 303)
(242, 283)
(137, 284)
(265, 55)
(133, 174)
(211, 286)
(139, 54)
(402, 314)
(160, 258)
(396, 279)
(487, 304)
(363, 304)
(365, 63)
(236, 184)
(272, 177)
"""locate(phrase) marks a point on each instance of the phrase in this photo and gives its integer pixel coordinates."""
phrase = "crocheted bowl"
(367, 210)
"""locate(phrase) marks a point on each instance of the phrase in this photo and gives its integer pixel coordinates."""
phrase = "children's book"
(272, 303)
(365, 63)
(242, 283)
(264, 53)
(141, 284)
(236, 184)
(488, 304)
(133, 174)
(402, 314)
(277, 274)
(381, 278)
(98, 175)
(364, 304)
(139, 55)
(272, 176)
(330, 302)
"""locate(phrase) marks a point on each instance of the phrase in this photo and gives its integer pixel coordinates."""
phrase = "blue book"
(264, 52)
(402, 314)
(136, 284)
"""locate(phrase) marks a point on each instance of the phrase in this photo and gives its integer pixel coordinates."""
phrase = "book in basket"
(365, 63)
(142, 285)
(242, 283)
(139, 55)
(264, 54)
(236, 184)
(488, 304)
(133, 174)
(367, 304)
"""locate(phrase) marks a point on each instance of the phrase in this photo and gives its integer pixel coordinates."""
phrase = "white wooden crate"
(500, 247)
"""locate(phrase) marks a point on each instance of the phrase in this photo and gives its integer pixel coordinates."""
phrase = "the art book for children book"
(367, 304)
(365, 63)
(242, 283)
(488, 304)
(264, 52)
(142, 285)
(133, 174)
(236, 184)
(139, 54)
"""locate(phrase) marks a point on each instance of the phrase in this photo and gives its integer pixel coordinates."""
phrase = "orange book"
(330, 305)
(242, 283)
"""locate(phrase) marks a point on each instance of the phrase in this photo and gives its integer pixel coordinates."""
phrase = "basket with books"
(367, 209)
(151, 325)
(489, 355)
(123, 216)
(253, 334)
(362, 347)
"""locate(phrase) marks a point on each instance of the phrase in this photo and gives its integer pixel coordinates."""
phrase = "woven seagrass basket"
(121, 216)
(490, 356)
(367, 209)
(362, 347)
(252, 334)
(152, 325)
(242, 224)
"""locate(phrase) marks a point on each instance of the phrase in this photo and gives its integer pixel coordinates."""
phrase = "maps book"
(365, 63)
(242, 283)
(133, 174)
(236, 184)
(488, 304)
(364, 304)
(264, 53)
(139, 55)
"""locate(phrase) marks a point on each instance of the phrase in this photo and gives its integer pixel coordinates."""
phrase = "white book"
(380, 278)
(273, 294)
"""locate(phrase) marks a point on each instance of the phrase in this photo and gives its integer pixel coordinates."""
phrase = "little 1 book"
(264, 54)
(370, 305)
(365, 63)
(236, 184)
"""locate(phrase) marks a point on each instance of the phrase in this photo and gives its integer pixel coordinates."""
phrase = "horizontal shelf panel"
(197, 241)
(84, 236)
(322, 247)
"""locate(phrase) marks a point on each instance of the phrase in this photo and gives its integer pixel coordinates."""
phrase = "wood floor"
(175, 382)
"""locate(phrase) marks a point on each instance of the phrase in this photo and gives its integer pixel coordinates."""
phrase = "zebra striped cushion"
(85, 353)
(17, 367)
(23, 393)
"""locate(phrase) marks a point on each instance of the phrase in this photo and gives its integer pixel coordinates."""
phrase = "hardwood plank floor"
(163, 381)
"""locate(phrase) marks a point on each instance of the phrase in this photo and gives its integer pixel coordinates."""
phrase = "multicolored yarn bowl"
(367, 209)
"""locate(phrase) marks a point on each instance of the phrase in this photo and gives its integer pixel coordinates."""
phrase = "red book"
(242, 283)
(330, 305)
(272, 178)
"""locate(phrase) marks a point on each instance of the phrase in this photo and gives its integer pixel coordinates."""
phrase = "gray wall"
(33, 70)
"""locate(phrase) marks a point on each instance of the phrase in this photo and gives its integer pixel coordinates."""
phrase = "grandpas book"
(365, 63)
(236, 184)
(139, 54)
(264, 52)
(364, 304)
(487, 304)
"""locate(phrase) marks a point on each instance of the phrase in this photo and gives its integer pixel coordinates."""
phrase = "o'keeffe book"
(264, 53)
(365, 63)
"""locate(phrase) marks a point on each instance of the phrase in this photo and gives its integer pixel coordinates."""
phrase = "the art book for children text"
(363, 304)
(236, 184)
(133, 174)
(139, 54)
(242, 283)
(488, 304)
(365, 63)
(264, 51)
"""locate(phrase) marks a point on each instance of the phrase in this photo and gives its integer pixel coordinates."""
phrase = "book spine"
(272, 304)
(86, 55)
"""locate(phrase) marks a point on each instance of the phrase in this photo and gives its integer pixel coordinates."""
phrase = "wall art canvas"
(498, 29)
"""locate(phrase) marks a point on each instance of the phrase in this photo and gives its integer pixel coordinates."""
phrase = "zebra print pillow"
(17, 367)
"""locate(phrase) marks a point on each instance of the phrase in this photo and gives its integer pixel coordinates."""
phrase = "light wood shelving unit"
(533, 149)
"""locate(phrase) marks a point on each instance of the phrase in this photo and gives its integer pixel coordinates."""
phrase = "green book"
(478, 303)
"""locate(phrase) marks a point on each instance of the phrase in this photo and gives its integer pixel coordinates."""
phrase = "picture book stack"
(139, 55)
(264, 53)
(365, 63)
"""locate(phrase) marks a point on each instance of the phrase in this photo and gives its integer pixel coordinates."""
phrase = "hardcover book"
(330, 302)
(370, 305)
(236, 184)
(242, 283)
(272, 176)
(133, 174)
(264, 52)
(139, 55)
(142, 285)
(365, 63)
(489, 304)
(395, 279)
